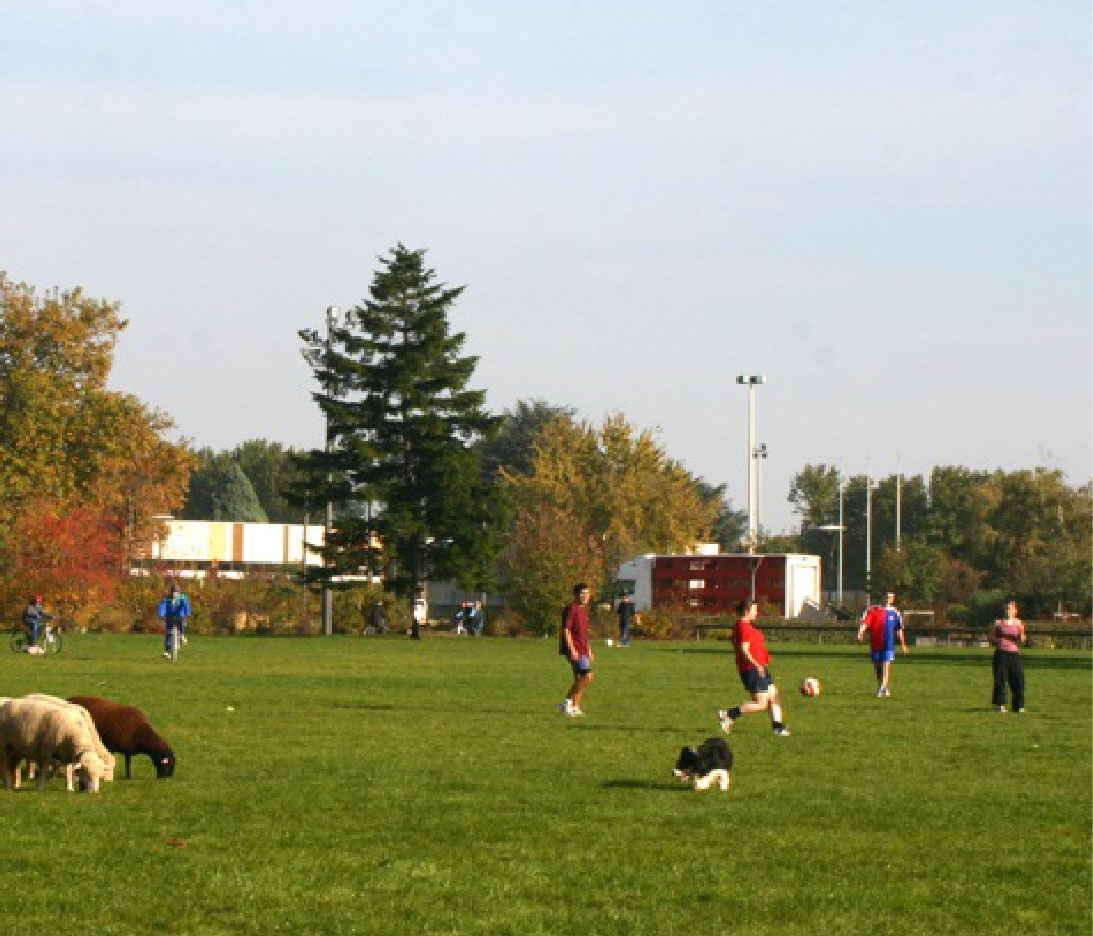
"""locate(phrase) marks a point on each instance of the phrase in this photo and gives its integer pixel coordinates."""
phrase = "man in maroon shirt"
(574, 644)
(751, 662)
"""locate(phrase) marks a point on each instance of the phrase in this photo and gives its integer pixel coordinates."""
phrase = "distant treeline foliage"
(966, 536)
(251, 483)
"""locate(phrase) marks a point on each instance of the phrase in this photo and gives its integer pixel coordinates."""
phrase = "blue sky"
(884, 208)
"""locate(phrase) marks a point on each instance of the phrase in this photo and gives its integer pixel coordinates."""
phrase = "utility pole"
(842, 530)
(869, 534)
(332, 313)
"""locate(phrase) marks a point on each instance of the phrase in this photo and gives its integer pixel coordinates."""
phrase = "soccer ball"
(810, 686)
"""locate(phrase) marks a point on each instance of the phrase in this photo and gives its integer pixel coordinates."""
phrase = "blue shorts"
(582, 666)
(883, 656)
(755, 682)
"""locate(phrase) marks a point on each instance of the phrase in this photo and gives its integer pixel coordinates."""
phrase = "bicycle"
(50, 640)
(174, 635)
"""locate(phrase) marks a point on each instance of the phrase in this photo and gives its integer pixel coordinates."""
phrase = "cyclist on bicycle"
(174, 609)
(34, 617)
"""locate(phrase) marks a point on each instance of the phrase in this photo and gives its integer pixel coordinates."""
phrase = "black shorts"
(755, 682)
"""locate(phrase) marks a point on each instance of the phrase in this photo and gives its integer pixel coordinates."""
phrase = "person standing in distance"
(883, 623)
(34, 617)
(174, 609)
(575, 645)
(627, 616)
(1009, 634)
(752, 662)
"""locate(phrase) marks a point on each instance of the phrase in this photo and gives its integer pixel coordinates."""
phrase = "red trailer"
(715, 583)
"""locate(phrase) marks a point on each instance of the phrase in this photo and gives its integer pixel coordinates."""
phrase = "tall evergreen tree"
(402, 425)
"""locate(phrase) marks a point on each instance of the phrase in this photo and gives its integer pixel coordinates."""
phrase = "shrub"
(507, 623)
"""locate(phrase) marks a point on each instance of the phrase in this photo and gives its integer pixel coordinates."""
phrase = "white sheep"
(46, 734)
(89, 722)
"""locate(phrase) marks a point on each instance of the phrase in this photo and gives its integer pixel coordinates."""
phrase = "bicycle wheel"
(52, 642)
(19, 641)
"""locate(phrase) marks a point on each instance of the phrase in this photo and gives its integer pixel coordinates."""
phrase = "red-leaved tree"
(69, 551)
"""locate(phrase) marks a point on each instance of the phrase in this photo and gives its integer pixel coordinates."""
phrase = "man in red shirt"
(576, 646)
(751, 662)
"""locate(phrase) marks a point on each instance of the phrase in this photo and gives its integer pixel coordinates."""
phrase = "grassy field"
(366, 786)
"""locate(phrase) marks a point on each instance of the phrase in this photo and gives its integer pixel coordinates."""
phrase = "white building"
(191, 548)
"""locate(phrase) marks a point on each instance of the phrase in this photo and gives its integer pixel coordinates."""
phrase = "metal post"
(760, 457)
(869, 535)
(842, 530)
(752, 381)
(899, 487)
(328, 597)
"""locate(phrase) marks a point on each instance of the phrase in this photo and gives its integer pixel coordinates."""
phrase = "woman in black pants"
(1009, 634)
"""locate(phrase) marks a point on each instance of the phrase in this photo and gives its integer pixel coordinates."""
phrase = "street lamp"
(751, 381)
(332, 314)
(840, 529)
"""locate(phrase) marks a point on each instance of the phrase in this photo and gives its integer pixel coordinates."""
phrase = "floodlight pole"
(751, 381)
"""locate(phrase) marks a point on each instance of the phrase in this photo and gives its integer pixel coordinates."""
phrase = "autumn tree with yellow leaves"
(74, 455)
(592, 498)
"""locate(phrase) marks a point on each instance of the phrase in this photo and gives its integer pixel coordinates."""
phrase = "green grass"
(368, 786)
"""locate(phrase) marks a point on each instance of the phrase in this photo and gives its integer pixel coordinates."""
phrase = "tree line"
(426, 483)
(967, 538)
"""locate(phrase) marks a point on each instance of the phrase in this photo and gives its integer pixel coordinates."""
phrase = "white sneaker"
(1001, 710)
(574, 712)
(782, 732)
(184, 640)
(166, 655)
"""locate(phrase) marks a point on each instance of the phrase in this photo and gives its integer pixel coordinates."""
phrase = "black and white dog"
(709, 762)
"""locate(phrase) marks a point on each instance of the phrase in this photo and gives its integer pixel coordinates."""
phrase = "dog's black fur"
(711, 760)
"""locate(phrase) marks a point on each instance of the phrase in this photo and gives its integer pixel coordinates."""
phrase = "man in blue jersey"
(883, 623)
(175, 610)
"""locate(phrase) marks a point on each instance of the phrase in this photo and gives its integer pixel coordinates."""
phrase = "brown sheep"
(124, 729)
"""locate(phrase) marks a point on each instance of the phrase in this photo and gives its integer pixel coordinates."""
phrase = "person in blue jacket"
(175, 610)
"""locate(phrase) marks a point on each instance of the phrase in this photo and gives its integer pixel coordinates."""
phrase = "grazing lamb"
(46, 735)
(100, 748)
(125, 730)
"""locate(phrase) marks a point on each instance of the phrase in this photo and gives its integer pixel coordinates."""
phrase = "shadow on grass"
(376, 706)
(645, 785)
